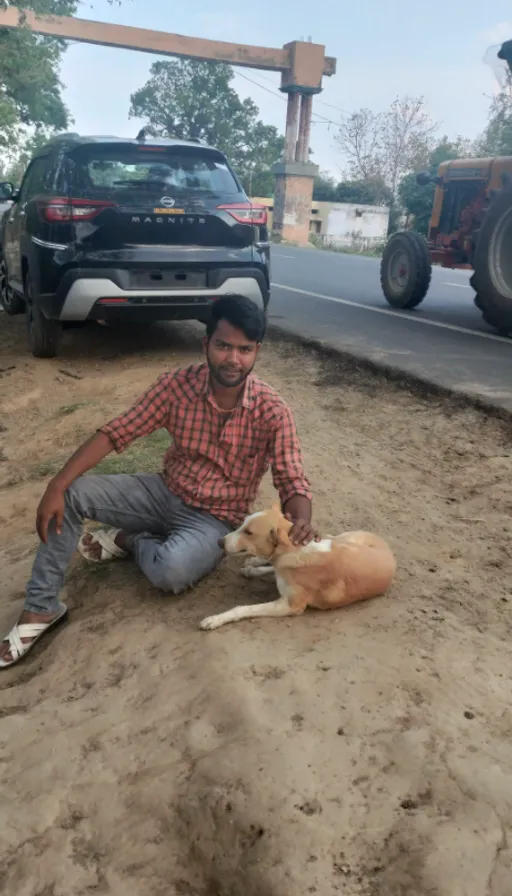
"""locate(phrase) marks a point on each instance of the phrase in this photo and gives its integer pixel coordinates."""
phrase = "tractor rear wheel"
(405, 269)
(492, 277)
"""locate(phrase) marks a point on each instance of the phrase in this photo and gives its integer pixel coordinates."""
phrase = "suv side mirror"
(7, 190)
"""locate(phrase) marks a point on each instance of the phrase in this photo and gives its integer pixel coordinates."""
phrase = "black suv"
(109, 229)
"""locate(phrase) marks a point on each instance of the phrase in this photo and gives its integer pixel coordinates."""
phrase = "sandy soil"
(365, 752)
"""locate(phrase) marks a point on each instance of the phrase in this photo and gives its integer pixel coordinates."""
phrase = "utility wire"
(321, 118)
(321, 102)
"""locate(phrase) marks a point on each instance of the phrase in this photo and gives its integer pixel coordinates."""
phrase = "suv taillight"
(245, 213)
(63, 211)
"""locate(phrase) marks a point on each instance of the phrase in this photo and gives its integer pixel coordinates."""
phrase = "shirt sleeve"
(286, 460)
(149, 413)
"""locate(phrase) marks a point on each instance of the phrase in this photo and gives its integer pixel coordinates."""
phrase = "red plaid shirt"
(216, 461)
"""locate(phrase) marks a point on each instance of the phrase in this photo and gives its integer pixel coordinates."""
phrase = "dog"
(327, 574)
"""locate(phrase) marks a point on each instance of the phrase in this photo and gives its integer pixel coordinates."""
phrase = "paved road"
(337, 299)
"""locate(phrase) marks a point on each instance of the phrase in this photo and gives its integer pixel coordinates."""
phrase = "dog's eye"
(247, 532)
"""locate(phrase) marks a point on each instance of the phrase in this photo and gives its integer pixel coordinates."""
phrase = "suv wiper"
(196, 192)
(140, 183)
(185, 192)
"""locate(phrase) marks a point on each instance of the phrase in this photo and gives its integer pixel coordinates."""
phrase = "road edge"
(413, 383)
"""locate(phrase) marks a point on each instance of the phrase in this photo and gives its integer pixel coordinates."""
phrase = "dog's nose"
(221, 543)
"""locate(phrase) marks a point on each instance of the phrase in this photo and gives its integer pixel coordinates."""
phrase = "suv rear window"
(116, 168)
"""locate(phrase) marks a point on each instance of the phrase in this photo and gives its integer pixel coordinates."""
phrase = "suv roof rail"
(85, 138)
(185, 139)
(66, 135)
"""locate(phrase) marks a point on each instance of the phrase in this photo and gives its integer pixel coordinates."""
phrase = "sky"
(384, 49)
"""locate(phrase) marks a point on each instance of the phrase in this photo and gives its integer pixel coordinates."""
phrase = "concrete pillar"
(292, 115)
(306, 108)
(295, 175)
(292, 200)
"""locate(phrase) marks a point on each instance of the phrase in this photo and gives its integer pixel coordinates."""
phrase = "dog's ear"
(273, 537)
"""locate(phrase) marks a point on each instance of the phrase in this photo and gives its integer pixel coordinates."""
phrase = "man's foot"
(104, 544)
(28, 629)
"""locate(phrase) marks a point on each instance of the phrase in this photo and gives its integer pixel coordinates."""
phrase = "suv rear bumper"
(81, 291)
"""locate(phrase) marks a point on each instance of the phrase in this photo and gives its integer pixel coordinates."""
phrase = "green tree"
(324, 188)
(15, 158)
(497, 137)
(254, 162)
(30, 87)
(363, 192)
(31, 104)
(418, 200)
(192, 99)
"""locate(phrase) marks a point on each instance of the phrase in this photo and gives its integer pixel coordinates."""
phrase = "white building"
(355, 226)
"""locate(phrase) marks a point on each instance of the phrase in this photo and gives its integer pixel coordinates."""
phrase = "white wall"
(359, 226)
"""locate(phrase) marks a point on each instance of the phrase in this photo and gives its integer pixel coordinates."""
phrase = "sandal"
(33, 630)
(109, 549)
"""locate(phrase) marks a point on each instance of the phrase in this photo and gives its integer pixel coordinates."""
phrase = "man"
(227, 427)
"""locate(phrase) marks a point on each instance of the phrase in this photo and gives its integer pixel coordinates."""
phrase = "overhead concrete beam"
(160, 43)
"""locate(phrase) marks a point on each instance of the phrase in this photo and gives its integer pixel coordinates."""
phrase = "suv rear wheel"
(9, 300)
(43, 334)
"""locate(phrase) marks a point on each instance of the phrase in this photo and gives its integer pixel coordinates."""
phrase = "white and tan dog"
(325, 574)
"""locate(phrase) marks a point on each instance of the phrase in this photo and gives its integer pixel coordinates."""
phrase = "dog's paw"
(209, 623)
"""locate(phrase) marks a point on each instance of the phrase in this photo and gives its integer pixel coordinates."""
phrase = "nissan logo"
(167, 202)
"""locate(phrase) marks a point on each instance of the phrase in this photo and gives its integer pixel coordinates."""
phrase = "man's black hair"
(241, 313)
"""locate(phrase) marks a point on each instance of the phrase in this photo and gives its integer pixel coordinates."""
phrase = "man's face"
(230, 355)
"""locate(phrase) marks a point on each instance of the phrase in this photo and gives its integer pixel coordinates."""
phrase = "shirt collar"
(203, 388)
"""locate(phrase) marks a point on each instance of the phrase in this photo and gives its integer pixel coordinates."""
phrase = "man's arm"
(148, 414)
(290, 480)
(298, 508)
(84, 459)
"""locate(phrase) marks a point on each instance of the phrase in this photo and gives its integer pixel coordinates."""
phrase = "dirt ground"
(366, 752)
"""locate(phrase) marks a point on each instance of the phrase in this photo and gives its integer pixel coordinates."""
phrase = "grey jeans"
(173, 544)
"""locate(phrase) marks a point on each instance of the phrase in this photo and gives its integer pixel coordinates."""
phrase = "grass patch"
(47, 467)
(145, 456)
(68, 409)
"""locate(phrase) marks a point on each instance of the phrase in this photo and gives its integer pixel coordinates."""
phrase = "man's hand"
(302, 532)
(52, 503)
(51, 507)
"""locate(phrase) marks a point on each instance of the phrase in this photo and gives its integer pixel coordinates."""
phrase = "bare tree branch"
(383, 147)
(359, 140)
